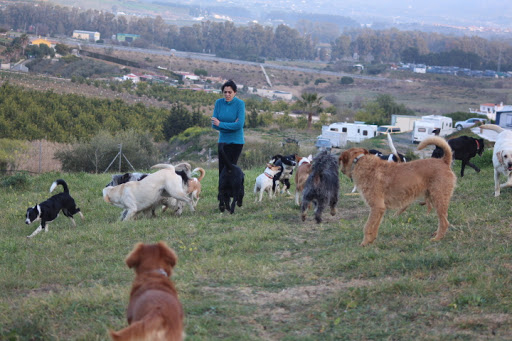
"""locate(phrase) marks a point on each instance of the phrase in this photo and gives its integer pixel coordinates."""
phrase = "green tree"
(310, 104)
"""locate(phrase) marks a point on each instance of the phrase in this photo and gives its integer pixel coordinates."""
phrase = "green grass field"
(262, 273)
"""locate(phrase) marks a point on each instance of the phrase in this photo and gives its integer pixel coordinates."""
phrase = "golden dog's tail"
(494, 127)
(441, 143)
(201, 172)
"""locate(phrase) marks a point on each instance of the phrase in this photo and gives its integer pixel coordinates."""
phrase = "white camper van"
(339, 133)
(425, 127)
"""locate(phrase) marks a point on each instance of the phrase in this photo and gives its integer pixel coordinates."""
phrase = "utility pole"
(499, 60)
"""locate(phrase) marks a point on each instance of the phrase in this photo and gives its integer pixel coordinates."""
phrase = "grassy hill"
(262, 273)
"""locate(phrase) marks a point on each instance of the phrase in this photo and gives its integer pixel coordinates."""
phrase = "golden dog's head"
(151, 257)
(346, 159)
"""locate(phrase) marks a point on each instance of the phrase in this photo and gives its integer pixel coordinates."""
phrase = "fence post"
(120, 154)
(40, 155)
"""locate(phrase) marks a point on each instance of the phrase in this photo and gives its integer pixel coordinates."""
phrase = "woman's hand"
(215, 121)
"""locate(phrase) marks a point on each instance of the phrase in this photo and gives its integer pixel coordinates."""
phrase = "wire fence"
(39, 157)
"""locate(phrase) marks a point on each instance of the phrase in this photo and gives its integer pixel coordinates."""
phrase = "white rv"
(425, 127)
(405, 122)
(339, 133)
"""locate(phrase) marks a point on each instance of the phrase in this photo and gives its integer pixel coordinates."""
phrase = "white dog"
(138, 196)
(264, 181)
(501, 156)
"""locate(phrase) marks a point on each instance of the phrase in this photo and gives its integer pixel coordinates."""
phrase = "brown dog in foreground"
(393, 185)
(154, 312)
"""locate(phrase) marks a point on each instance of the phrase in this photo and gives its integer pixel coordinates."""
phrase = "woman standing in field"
(229, 118)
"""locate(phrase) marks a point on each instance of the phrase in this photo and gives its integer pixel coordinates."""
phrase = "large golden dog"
(393, 185)
(154, 312)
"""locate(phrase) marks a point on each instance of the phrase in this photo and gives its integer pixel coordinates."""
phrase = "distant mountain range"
(495, 14)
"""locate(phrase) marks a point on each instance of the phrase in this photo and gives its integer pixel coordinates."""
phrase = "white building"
(488, 109)
(86, 35)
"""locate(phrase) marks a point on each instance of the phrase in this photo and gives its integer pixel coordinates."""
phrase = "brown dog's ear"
(168, 254)
(500, 158)
(133, 259)
(343, 159)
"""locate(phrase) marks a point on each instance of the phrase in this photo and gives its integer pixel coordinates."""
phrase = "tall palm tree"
(310, 104)
(24, 40)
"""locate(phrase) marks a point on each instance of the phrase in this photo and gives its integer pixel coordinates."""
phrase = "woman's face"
(229, 94)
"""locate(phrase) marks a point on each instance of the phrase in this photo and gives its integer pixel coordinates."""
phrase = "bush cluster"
(98, 153)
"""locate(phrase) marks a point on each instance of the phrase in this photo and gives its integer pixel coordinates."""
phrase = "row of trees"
(30, 115)
(226, 39)
(254, 41)
(422, 47)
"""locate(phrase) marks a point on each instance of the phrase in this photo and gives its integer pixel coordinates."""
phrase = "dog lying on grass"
(322, 186)
(154, 312)
(385, 185)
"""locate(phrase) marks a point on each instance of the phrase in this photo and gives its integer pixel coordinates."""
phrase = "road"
(213, 58)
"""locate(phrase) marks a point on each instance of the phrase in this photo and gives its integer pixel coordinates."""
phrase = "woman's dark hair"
(229, 83)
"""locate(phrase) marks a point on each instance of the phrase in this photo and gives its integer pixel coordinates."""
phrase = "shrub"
(9, 153)
(189, 134)
(98, 153)
(346, 80)
(320, 80)
(18, 180)
(200, 72)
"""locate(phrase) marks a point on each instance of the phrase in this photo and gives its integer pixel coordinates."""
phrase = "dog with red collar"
(265, 181)
(464, 148)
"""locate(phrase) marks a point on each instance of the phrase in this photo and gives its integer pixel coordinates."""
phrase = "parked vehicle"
(469, 123)
(431, 125)
(323, 144)
(341, 132)
(404, 122)
(388, 130)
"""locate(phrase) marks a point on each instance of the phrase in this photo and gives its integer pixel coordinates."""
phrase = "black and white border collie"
(388, 157)
(287, 164)
(49, 210)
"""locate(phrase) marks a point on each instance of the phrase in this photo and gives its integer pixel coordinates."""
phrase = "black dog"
(388, 157)
(464, 148)
(231, 184)
(322, 186)
(119, 179)
(48, 210)
(287, 164)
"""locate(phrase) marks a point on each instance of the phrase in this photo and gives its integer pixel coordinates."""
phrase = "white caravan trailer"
(425, 127)
(405, 122)
(339, 133)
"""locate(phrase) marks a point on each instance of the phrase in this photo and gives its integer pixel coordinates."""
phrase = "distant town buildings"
(126, 37)
(86, 35)
(40, 41)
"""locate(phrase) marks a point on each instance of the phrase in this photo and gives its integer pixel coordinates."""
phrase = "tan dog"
(139, 196)
(194, 185)
(154, 312)
(393, 185)
(301, 175)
